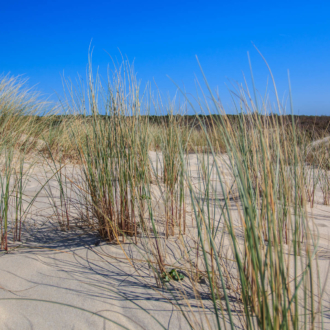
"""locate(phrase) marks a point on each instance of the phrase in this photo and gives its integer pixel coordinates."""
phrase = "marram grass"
(233, 195)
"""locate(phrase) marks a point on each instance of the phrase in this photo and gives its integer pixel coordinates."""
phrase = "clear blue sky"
(41, 39)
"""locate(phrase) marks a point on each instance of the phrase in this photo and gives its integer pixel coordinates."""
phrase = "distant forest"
(316, 126)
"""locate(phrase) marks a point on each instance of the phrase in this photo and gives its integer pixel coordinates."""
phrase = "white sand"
(65, 267)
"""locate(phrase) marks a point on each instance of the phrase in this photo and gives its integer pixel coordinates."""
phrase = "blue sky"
(43, 39)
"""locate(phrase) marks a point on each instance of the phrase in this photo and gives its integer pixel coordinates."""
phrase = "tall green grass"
(19, 107)
(223, 205)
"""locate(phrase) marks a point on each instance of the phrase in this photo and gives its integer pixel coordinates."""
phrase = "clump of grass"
(114, 155)
(325, 186)
(19, 108)
(172, 142)
(266, 167)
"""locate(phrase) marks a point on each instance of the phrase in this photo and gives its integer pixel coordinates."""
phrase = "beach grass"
(232, 195)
